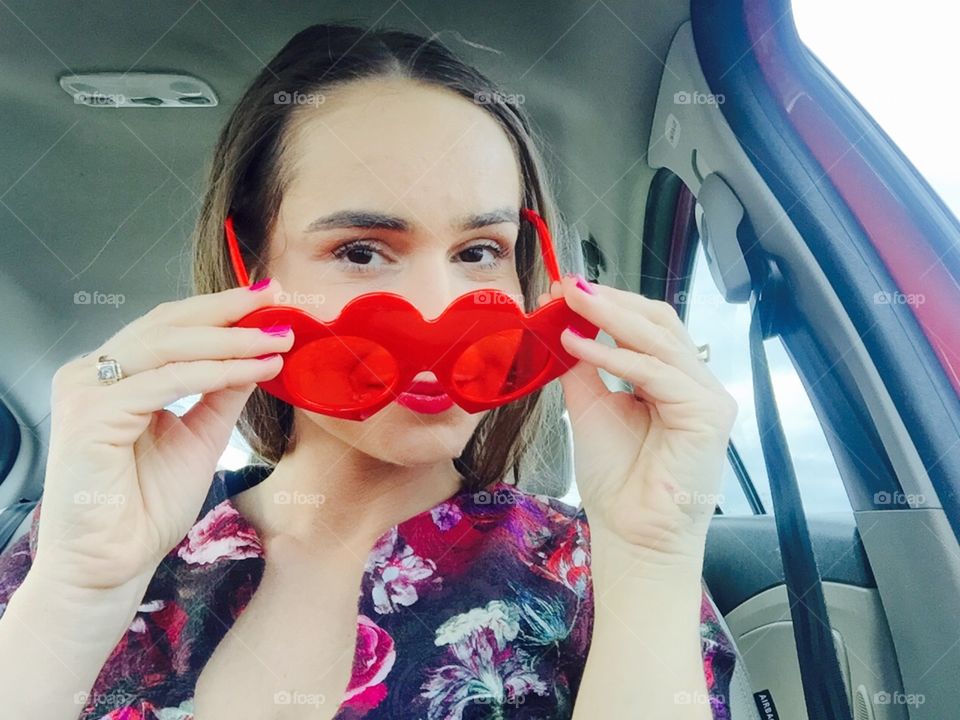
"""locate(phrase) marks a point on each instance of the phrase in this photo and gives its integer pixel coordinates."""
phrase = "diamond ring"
(108, 370)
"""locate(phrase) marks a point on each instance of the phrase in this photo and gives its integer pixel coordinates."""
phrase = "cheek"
(304, 288)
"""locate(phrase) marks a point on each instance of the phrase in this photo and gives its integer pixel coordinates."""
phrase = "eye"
(359, 255)
(475, 254)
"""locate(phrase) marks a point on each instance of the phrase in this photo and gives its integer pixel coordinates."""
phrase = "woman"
(359, 161)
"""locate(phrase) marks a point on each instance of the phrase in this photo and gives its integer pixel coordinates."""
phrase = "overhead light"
(138, 89)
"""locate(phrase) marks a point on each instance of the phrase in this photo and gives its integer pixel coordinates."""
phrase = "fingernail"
(575, 331)
(259, 285)
(268, 356)
(584, 285)
(276, 329)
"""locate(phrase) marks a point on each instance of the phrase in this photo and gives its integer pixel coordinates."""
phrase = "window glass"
(899, 61)
(726, 328)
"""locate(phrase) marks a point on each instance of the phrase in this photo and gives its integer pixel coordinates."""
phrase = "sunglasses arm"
(546, 244)
(235, 258)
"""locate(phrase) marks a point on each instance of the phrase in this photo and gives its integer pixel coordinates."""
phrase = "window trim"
(9, 428)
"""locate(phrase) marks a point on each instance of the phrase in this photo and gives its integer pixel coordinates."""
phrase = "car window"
(725, 327)
(898, 61)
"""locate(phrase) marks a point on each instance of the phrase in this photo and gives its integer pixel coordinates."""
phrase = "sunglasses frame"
(414, 343)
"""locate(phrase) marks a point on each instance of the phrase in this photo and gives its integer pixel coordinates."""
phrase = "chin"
(403, 437)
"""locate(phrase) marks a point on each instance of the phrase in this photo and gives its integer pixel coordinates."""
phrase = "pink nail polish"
(259, 285)
(276, 330)
(584, 285)
(575, 331)
(268, 356)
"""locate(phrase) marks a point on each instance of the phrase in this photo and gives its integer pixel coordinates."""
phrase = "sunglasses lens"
(344, 372)
(500, 364)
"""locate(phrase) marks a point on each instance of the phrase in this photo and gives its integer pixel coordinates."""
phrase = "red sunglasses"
(484, 350)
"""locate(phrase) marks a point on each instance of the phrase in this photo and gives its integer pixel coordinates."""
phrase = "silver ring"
(703, 352)
(108, 370)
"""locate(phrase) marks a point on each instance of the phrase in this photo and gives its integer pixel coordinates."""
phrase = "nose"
(431, 285)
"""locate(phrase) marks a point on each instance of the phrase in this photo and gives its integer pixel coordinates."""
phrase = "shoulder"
(15, 562)
(558, 520)
(17, 559)
(552, 537)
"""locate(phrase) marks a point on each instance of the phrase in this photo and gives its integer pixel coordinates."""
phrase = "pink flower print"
(397, 573)
(219, 535)
(372, 663)
(708, 670)
(446, 515)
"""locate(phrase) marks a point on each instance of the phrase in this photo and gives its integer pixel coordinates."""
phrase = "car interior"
(686, 140)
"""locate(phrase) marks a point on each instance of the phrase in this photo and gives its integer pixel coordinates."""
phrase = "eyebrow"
(369, 219)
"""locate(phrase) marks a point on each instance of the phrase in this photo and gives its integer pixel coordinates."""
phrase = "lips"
(425, 396)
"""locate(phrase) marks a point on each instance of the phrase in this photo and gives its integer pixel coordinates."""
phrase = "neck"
(327, 494)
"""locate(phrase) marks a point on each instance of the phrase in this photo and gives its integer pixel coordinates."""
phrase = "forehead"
(397, 143)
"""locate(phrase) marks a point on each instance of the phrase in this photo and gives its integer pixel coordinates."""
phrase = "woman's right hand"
(125, 479)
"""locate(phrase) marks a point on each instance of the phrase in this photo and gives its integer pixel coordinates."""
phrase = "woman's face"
(401, 187)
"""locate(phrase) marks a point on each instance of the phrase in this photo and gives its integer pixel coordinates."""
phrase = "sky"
(900, 60)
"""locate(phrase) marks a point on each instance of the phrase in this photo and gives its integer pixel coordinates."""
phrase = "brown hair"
(248, 178)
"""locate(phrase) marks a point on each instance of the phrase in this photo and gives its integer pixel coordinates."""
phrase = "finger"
(582, 388)
(156, 346)
(678, 398)
(151, 390)
(634, 331)
(556, 291)
(220, 308)
(657, 311)
(215, 414)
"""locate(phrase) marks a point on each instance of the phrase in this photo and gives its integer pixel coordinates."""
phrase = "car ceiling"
(104, 199)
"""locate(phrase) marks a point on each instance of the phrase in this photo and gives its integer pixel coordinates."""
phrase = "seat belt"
(823, 687)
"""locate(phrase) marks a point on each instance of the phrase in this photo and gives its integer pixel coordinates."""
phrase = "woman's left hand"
(648, 464)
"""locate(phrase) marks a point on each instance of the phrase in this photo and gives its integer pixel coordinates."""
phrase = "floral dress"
(479, 607)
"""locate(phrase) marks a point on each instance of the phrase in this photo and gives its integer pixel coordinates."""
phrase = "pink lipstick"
(425, 397)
